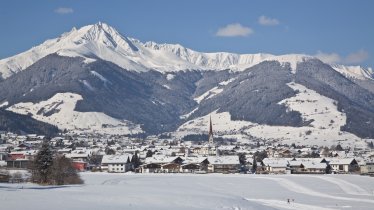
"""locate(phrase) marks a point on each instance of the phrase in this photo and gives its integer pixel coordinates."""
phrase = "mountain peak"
(103, 41)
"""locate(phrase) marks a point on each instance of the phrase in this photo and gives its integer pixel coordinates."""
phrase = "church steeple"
(210, 132)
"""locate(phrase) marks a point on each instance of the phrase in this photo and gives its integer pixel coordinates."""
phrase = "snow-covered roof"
(108, 159)
(26, 152)
(341, 161)
(275, 162)
(314, 165)
(197, 160)
(160, 159)
(226, 147)
(223, 160)
(77, 155)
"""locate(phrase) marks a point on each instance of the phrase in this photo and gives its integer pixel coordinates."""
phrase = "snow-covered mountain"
(103, 41)
(59, 111)
(354, 72)
(94, 79)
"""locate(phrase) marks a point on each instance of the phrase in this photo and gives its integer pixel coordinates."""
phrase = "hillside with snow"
(59, 111)
(324, 129)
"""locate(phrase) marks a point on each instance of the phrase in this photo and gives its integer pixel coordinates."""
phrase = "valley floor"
(189, 191)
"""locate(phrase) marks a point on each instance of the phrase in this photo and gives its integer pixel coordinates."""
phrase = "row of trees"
(51, 168)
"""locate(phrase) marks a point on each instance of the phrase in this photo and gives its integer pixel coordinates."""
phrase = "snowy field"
(179, 191)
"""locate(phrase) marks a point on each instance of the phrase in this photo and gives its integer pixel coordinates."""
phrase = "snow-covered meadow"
(189, 191)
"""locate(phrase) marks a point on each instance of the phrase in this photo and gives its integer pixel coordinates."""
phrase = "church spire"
(211, 132)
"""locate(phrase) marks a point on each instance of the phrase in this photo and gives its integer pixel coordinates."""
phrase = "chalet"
(117, 163)
(170, 168)
(150, 168)
(194, 164)
(223, 164)
(308, 165)
(344, 165)
(295, 166)
(313, 168)
(161, 164)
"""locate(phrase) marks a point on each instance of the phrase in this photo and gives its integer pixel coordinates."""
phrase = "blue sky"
(339, 31)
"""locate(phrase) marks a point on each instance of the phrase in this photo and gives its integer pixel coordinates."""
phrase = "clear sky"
(339, 31)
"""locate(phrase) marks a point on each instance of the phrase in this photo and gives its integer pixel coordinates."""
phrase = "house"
(170, 168)
(368, 168)
(308, 165)
(276, 165)
(285, 153)
(150, 168)
(161, 164)
(205, 150)
(195, 164)
(18, 163)
(79, 165)
(117, 163)
(3, 156)
(83, 157)
(17, 155)
(314, 168)
(223, 164)
(344, 165)
(25, 146)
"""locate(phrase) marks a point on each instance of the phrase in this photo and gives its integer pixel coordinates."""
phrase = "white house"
(344, 165)
(276, 165)
(223, 164)
(117, 163)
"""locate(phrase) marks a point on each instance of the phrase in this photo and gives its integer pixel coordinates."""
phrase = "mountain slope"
(18, 123)
(94, 79)
(141, 98)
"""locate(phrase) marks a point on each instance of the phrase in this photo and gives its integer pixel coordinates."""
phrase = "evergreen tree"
(242, 159)
(42, 165)
(254, 164)
(109, 151)
(261, 155)
(149, 153)
(339, 147)
(135, 160)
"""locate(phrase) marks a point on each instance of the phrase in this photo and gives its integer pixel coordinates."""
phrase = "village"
(114, 154)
